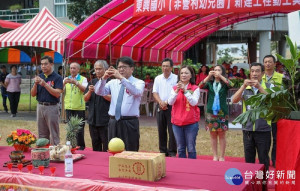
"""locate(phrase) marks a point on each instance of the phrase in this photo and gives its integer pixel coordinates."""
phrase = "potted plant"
(21, 139)
(280, 102)
(72, 127)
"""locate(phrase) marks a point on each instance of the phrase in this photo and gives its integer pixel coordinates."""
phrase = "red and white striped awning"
(44, 31)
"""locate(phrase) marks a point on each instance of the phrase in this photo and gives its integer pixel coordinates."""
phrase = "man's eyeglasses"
(122, 67)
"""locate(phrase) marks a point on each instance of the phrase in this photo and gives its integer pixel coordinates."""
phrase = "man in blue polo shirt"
(48, 87)
(3, 75)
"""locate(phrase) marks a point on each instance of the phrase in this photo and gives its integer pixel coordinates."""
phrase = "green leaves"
(237, 82)
(293, 48)
(272, 107)
(242, 118)
(9, 141)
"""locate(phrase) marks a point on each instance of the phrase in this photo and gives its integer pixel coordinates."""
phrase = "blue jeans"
(186, 139)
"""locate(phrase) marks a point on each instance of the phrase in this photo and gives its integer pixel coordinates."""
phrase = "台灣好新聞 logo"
(233, 176)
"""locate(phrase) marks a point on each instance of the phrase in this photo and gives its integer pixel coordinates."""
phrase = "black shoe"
(81, 148)
(171, 154)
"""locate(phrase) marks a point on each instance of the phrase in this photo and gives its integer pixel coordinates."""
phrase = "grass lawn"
(148, 137)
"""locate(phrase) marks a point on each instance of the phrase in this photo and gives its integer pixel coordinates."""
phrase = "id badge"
(248, 107)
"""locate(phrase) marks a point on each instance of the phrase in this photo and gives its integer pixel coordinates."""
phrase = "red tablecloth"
(288, 154)
(181, 173)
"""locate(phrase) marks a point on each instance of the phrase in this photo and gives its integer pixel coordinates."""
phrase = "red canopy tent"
(43, 33)
(7, 26)
(113, 31)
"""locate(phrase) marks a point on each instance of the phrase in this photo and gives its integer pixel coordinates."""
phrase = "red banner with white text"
(177, 7)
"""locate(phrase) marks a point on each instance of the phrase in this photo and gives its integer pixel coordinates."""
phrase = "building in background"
(257, 36)
(59, 8)
(24, 3)
(294, 26)
(30, 8)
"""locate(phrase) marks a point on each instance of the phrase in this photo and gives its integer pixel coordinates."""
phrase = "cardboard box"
(137, 165)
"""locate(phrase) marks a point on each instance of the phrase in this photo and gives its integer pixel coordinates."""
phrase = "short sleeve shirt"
(55, 81)
(163, 86)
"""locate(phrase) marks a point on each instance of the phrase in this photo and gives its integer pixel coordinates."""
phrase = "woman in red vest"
(185, 112)
(217, 109)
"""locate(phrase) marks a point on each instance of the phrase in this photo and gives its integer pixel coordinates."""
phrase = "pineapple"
(72, 128)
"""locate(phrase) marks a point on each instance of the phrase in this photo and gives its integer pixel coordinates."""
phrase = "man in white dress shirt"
(126, 92)
(162, 87)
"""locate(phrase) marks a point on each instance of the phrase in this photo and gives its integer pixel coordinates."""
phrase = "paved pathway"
(31, 116)
(144, 121)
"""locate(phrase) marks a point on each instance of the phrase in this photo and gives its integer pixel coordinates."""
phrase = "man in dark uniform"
(48, 87)
(3, 88)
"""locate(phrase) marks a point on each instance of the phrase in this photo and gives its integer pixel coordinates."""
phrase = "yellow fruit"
(116, 145)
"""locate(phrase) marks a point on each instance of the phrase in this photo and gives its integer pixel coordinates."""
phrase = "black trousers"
(274, 138)
(164, 125)
(14, 98)
(4, 98)
(80, 133)
(260, 142)
(126, 129)
(99, 137)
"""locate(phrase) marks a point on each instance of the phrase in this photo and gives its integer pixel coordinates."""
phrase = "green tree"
(224, 55)
(79, 10)
(141, 71)
(36, 4)
(274, 46)
(244, 51)
(189, 62)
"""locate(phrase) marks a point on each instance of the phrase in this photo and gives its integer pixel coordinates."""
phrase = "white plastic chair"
(203, 99)
(151, 100)
(145, 101)
(232, 107)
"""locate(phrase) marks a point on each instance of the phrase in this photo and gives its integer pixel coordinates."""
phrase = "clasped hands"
(252, 83)
(111, 71)
(40, 81)
(91, 88)
(70, 81)
(180, 86)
